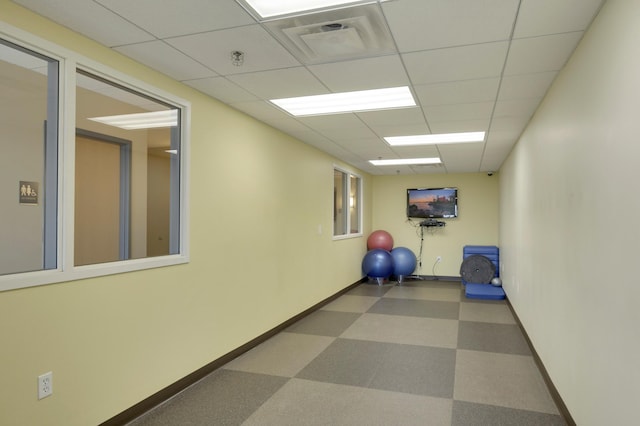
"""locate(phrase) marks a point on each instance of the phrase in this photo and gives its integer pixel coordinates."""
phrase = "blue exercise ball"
(404, 261)
(377, 263)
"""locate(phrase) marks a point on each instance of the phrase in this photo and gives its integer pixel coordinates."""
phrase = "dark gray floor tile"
(324, 323)
(420, 370)
(416, 308)
(470, 414)
(432, 284)
(370, 289)
(411, 369)
(502, 338)
(223, 398)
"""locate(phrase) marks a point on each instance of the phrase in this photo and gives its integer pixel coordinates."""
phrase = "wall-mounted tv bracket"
(432, 223)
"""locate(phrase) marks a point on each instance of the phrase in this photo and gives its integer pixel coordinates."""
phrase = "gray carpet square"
(489, 337)
(416, 308)
(432, 283)
(351, 303)
(411, 369)
(505, 380)
(443, 293)
(223, 398)
(483, 312)
(308, 403)
(369, 289)
(324, 323)
(404, 330)
(285, 354)
(470, 414)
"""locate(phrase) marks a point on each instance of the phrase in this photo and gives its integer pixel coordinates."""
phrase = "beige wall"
(476, 224)
(258, 199)
(569, 224)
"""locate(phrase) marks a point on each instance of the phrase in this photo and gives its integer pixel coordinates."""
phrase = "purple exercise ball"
(377, 263)
(404, 261)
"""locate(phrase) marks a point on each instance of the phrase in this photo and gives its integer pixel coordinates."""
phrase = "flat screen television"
(432, 203)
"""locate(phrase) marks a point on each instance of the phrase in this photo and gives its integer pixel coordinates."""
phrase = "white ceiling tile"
(454, 53)
(526, 85)
(90, 19)
(494, 157)
(516, 108)
(372, 152)
(277, 84)
(392, 117)
(366, 142)
(501, 139)
(161, 56)
(431, 24)
(416, 151)
(401, 130)
(509, 124)
(461, 157)
(456, 63)
(362, 74)
(425, 169)
(460, 126)
(458, 92)
(459, 112)
(538, 17)
(337, 121)
(221, 89)
(539, 54)
(213, 49)
(347, 133)
(195, 16)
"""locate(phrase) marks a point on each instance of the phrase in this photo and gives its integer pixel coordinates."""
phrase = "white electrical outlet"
(438, 259)
(45, 385)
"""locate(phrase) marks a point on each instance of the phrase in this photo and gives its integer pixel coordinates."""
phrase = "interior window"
(347, 203)
(127, 174)
(28, 165)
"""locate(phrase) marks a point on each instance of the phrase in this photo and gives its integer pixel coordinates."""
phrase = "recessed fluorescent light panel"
(143, 120)
(437, 139)
(271, 8)
(338, 103)
(405, 161)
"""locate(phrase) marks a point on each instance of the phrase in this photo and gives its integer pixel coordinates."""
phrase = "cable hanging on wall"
(430, 225)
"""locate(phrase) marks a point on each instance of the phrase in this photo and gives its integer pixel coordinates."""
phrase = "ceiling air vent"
(335, 35)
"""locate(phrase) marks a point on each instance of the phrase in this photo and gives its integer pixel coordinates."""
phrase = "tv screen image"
(432, 202)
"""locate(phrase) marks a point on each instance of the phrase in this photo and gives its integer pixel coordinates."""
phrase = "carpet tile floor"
(419, 353)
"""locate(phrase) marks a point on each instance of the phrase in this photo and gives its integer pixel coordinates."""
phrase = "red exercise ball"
(380, 239)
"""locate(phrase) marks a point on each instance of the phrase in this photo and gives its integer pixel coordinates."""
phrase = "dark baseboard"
(564, 411)
(434, 278)
(170, 391)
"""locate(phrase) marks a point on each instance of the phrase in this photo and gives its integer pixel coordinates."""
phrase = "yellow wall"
(569, 223)
(257, 259)
(476, 224)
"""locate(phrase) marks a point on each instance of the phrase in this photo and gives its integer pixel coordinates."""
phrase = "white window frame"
(69, 62)
(346, 196)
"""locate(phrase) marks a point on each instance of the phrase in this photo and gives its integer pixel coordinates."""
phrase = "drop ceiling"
(472, 65)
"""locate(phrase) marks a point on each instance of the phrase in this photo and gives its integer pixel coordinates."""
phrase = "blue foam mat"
(484, 291)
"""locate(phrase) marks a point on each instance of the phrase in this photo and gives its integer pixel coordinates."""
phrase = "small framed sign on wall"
(28, 192)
